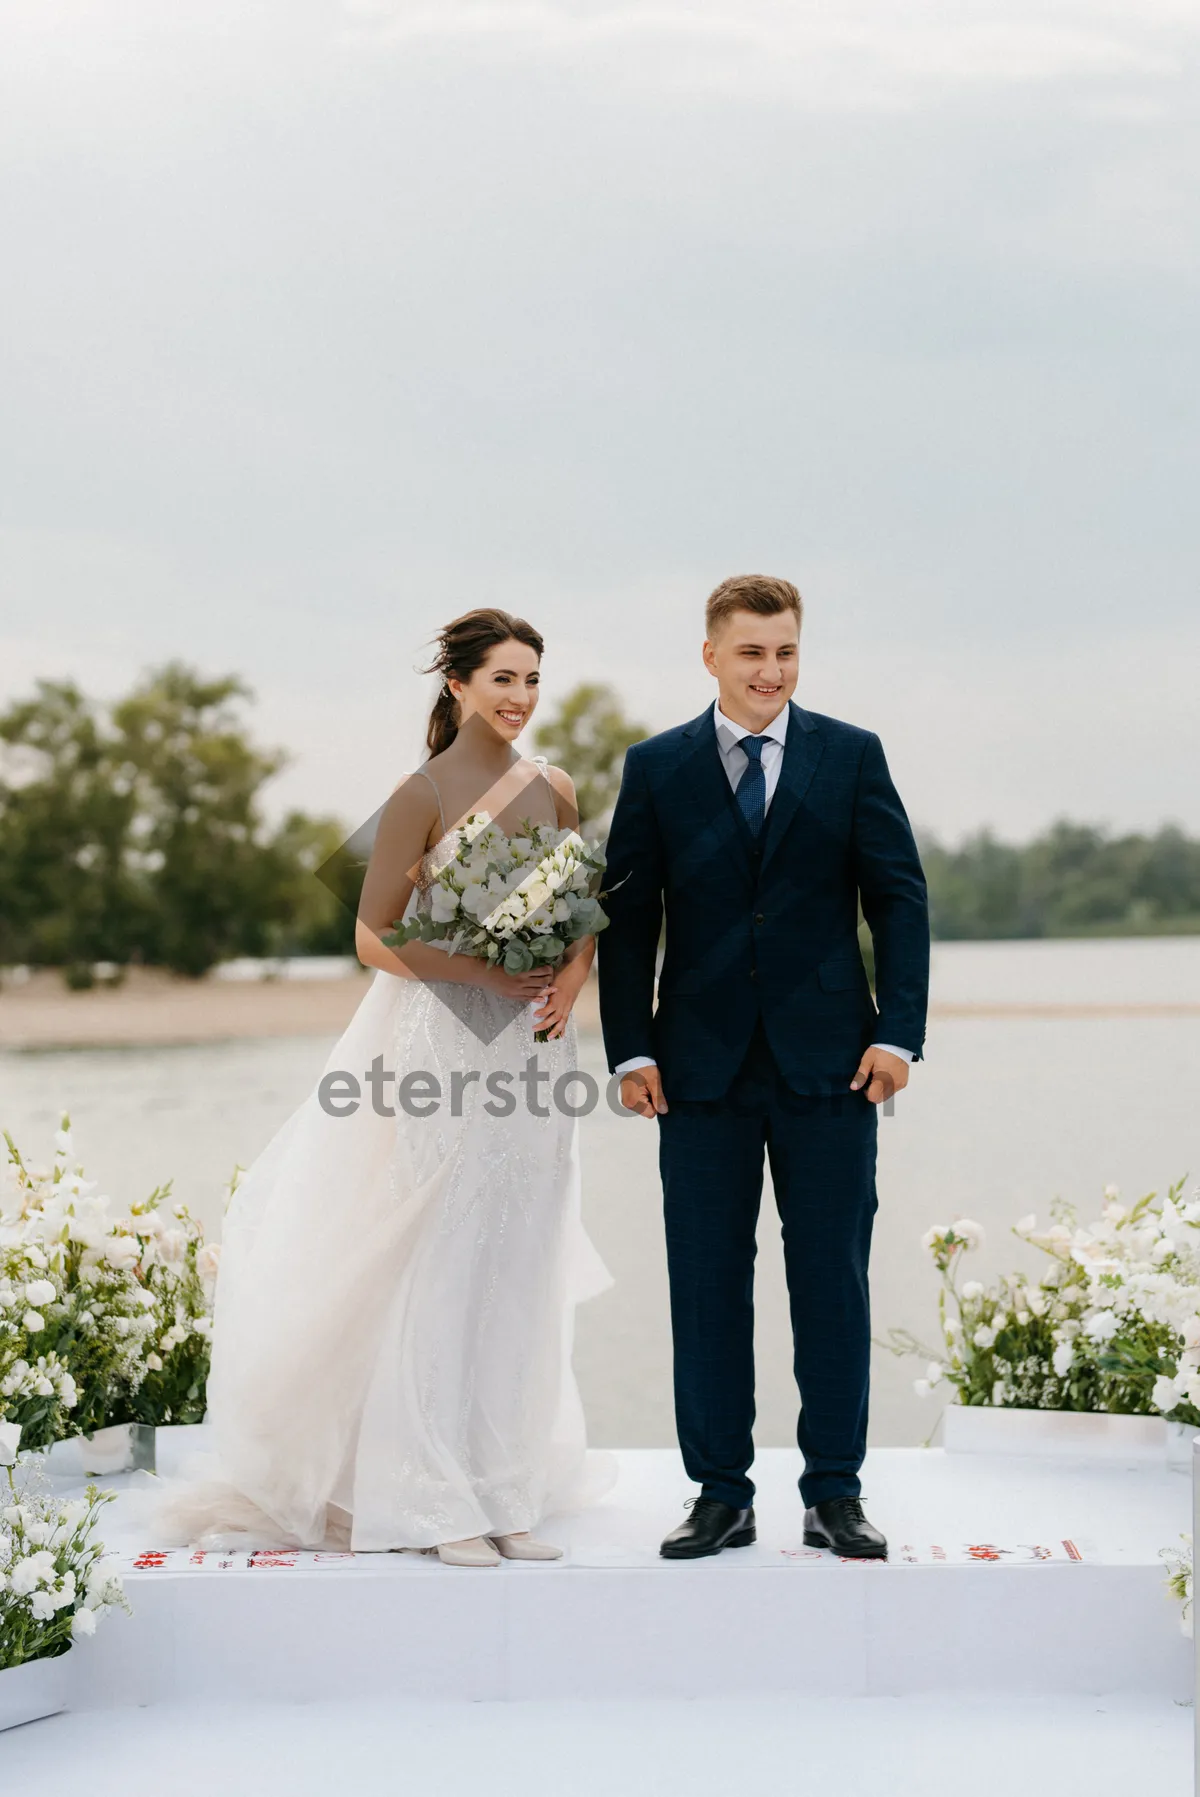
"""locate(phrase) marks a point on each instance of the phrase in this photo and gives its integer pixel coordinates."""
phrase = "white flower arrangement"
(1178, 1562)
(1113, 1325)
(103, 1318)
(54, 1583)
(517, 901)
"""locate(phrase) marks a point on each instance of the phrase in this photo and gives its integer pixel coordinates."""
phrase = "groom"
(757, 829)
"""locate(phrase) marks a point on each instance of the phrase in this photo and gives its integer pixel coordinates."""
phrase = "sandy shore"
(155, 1008)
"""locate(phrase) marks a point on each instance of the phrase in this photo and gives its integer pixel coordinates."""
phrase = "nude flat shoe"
(474, 1552)
(524, 1547)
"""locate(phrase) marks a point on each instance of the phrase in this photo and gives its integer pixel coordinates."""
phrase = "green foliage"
(1074, 880)
(134, 832)
(588, 738)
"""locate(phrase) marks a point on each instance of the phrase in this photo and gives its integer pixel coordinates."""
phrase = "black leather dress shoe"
(711, 1526)
(839, 1523)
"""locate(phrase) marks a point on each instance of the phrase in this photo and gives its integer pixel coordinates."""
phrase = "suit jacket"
(761, 930)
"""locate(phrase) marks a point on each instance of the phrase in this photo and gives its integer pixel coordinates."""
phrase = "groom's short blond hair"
(761, 593)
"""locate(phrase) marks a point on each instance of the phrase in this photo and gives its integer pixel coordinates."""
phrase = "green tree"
(136, 832)
(1072, 880)
(588, 738)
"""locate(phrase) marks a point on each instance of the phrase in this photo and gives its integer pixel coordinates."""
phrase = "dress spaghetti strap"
(437, 795)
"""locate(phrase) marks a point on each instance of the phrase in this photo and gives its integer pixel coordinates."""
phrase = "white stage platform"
(614, 1621)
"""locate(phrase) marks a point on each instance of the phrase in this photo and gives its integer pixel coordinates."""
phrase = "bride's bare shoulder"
(563, 788)
(411, 807)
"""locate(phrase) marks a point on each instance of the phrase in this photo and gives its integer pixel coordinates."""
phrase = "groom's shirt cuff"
(644, 1060)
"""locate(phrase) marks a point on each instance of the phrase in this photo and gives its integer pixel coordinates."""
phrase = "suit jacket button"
(754, 973)
(759, 918)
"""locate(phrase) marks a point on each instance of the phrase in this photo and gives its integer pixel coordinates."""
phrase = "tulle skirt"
(395, 1307)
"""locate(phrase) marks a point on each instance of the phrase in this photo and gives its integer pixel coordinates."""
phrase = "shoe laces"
(849, 1507)
(698, 1505)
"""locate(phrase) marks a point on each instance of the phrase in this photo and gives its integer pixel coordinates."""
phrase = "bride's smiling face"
(503, 693)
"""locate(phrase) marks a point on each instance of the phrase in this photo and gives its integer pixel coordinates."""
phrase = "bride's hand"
(560, 998)
(522, 987)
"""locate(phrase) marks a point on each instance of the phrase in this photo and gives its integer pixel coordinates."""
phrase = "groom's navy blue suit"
(763, 1014)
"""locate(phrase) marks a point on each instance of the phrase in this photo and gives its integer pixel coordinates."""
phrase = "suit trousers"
(822, 1153)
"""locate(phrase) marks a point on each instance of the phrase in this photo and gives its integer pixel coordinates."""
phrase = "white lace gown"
(395, 1308)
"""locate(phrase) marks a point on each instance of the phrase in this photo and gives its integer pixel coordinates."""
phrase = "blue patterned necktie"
(751, 791)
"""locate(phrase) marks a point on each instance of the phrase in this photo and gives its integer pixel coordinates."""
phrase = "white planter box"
(123, 1448)
(1065, 1435)
(38, 1688)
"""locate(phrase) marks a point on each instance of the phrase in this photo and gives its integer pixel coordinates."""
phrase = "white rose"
(39, 1292)
(1191, 1333)
(10, 1441)
(983, 1336)
(121, 1251)
(443, 905)
(83, 1623)
(208, 1260)
(1102, 1326)
(33, 1321)
(42, 1606)
(172, 1246)
(476, 900)
(1064, 1355)
(561, 911)
(972, 1289)
(154, 1363)
(1164, 1397)
(535, 894)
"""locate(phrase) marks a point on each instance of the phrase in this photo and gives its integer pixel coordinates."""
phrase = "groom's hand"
(882, 1073)
(641, 1091)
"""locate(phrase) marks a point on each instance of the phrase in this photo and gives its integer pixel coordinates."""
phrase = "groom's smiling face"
(755, 660)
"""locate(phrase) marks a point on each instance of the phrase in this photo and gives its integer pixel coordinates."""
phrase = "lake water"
(1006, 1113)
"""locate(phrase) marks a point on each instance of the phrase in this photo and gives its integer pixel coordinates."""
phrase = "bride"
(394, 1318)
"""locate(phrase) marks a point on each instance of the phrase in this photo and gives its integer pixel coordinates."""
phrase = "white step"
(614, 1621)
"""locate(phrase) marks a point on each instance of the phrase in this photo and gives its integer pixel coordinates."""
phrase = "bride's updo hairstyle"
(462, 648)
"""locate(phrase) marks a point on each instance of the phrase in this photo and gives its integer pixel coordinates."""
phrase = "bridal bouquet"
(1112, 1325)
(515, 901)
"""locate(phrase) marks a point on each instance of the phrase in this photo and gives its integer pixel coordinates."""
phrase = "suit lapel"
(801, 752)
(722, 824)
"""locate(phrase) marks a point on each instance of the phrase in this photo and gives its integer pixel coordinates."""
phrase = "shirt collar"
(733, 733)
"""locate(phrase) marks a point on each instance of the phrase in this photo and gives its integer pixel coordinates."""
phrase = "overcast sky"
(322, 322)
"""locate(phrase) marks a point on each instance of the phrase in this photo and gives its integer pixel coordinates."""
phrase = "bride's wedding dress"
(395, 1307)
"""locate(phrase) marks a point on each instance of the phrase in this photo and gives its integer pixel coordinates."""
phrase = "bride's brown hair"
(462, 648)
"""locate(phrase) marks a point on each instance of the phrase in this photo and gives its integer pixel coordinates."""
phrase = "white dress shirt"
(735, 761)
